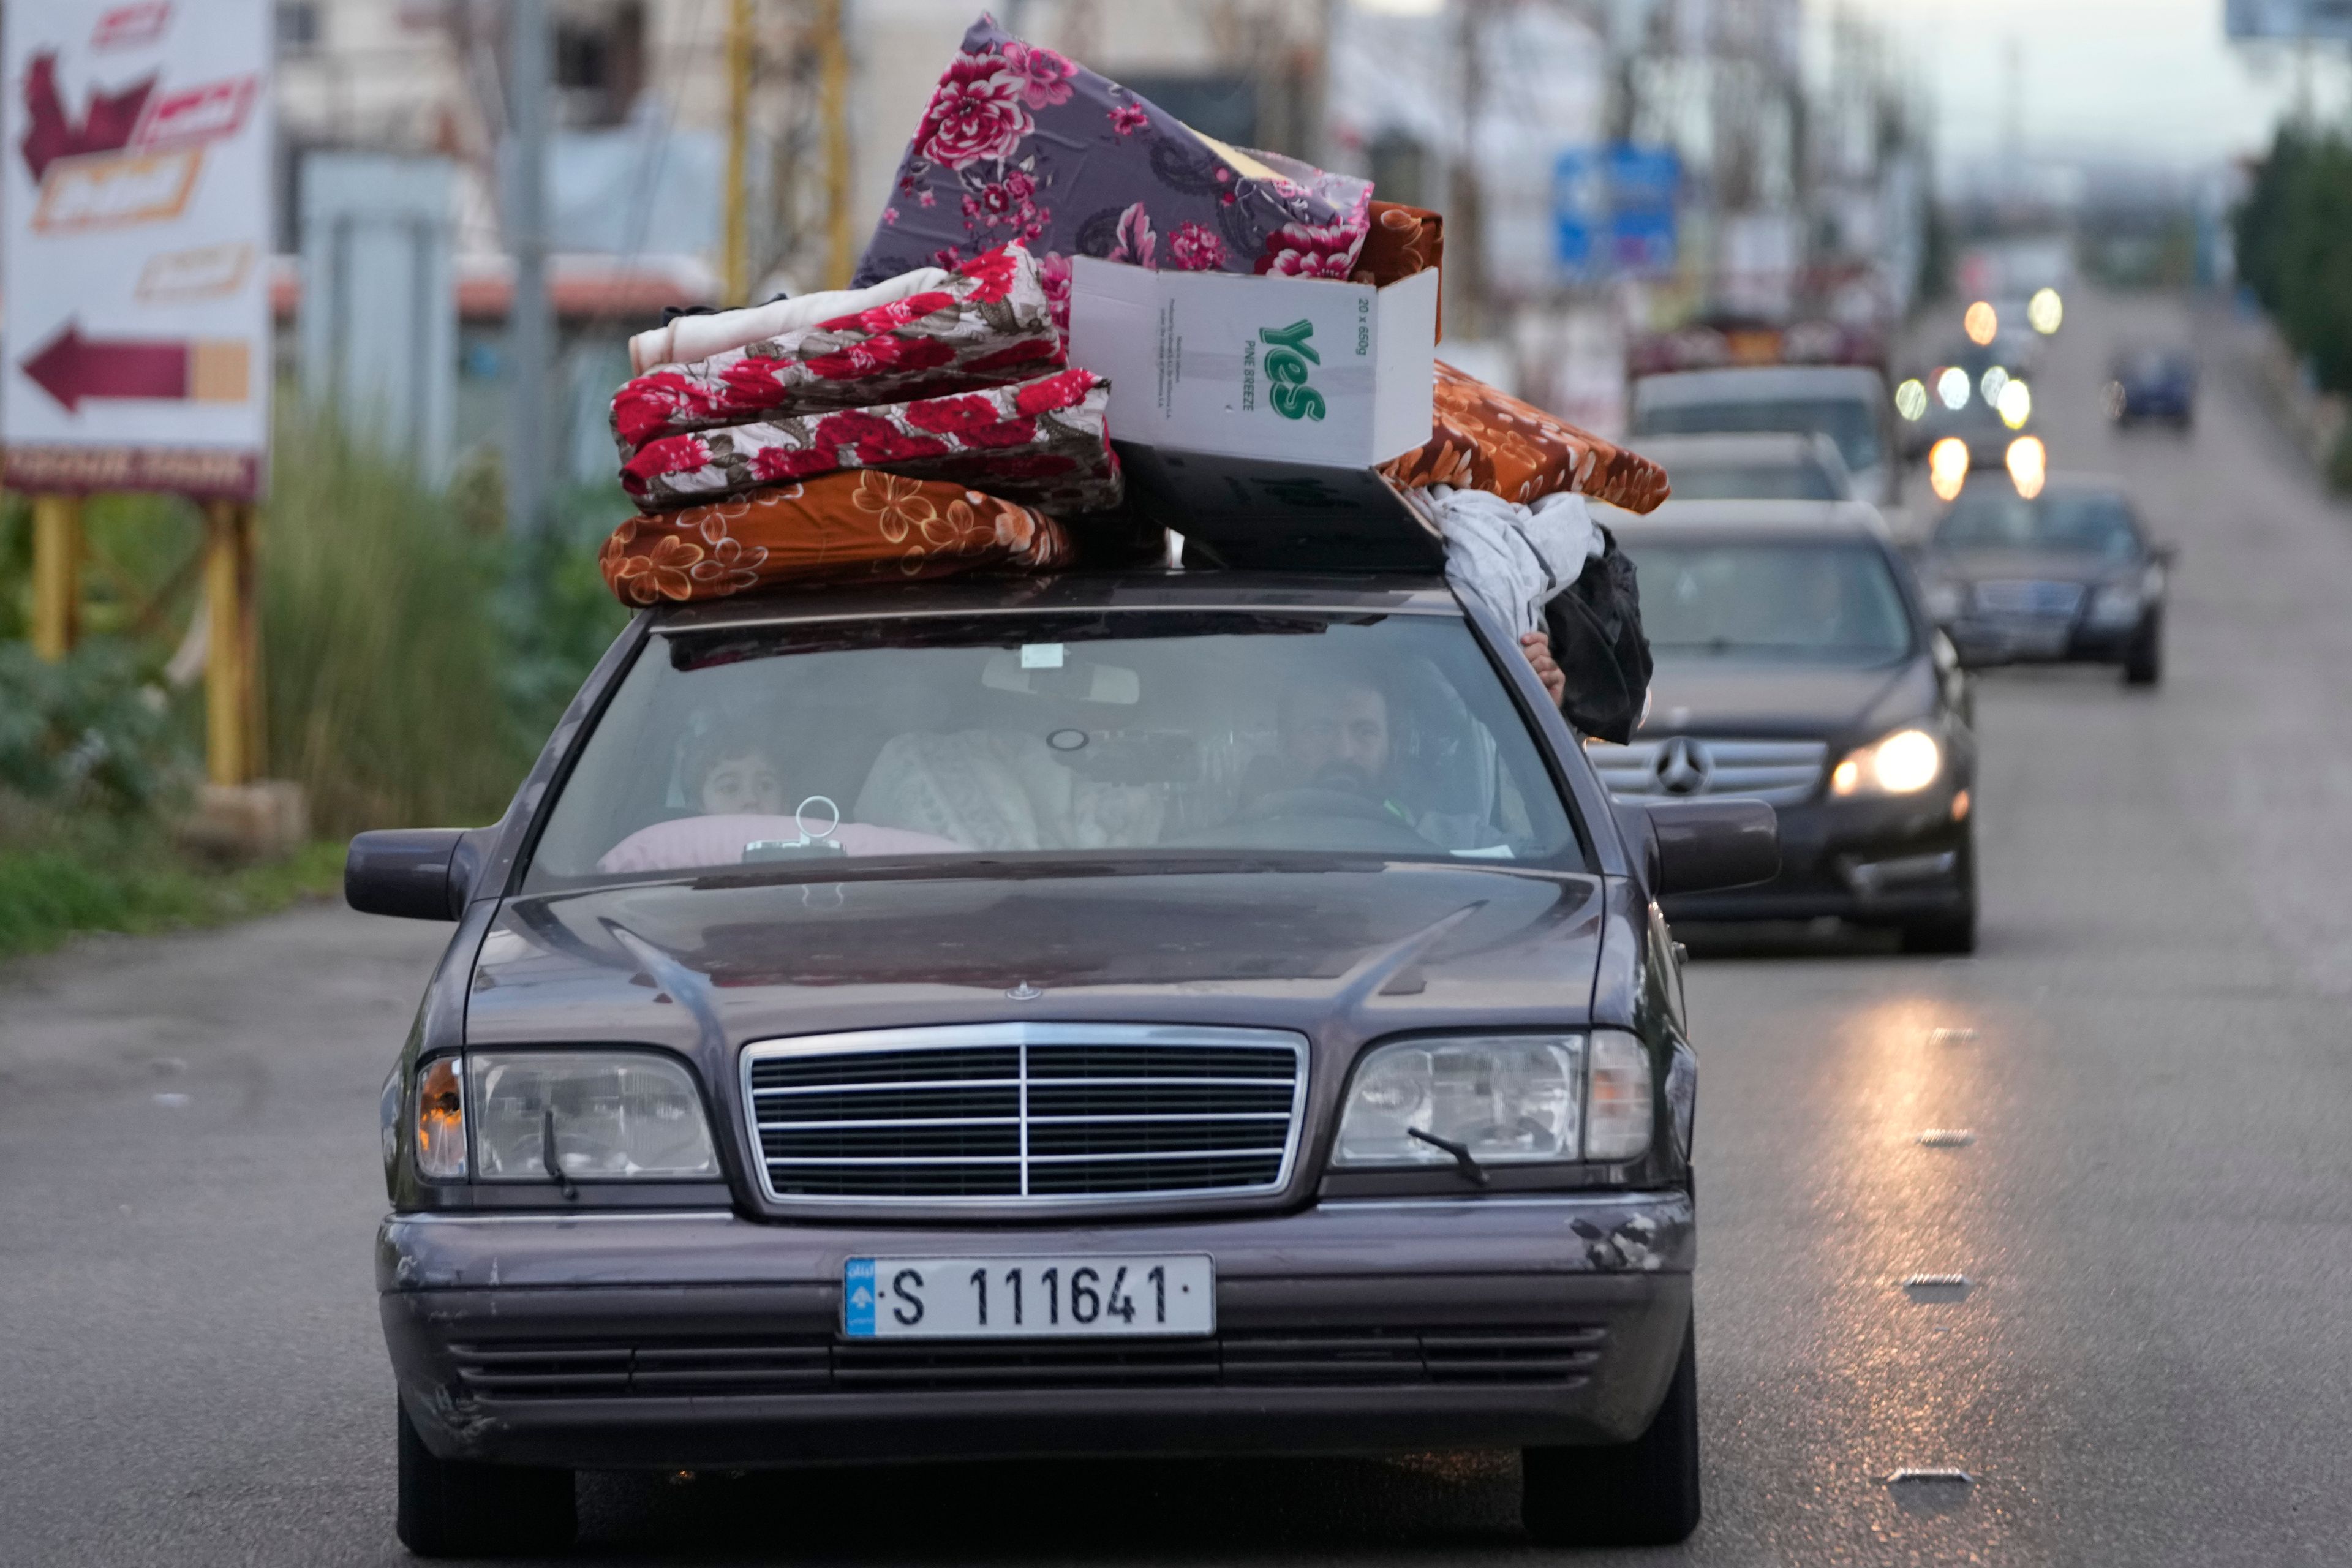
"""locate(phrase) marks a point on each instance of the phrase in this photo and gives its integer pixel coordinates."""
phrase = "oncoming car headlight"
(2116, 605)
(563, 1116)
(1904, 762)
(1501, 1100)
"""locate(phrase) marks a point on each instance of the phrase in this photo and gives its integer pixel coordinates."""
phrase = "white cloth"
(686, 339)
(992, 789)
(1512, 558)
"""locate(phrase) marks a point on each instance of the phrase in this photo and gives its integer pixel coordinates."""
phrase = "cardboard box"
(1300, 370)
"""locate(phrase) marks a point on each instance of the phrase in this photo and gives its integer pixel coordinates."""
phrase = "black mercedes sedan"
(1132, 1013)
(1796, 666)
(2068, 574)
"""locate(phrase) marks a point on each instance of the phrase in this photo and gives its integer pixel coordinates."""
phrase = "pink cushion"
(691, 842)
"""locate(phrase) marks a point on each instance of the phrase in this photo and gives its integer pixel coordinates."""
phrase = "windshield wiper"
(1463, 1161)
(547, 1156)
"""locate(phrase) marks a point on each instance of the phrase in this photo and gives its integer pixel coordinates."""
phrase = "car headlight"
(1945, 601)
(2116, 605)
(611, 1115)
(1501, 1100)
(1904, 762)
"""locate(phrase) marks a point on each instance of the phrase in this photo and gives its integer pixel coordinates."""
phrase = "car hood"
(2023, 566)
(1360, 949)
(1700, 696)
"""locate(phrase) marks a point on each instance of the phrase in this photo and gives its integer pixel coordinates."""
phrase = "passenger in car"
(737, 777)
(741, 791)
(1333, 735)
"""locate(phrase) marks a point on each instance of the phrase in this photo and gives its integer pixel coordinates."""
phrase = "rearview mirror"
(1701, 845)
(416, 873)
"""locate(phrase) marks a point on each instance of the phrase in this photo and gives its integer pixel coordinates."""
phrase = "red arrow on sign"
(71, 367)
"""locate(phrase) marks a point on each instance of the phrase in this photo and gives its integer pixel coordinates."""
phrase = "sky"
(2139, 80)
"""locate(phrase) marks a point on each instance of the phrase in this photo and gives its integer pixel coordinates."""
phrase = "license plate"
(1028, 1298)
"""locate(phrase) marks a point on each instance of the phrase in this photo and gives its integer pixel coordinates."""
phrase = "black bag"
(1596, 638)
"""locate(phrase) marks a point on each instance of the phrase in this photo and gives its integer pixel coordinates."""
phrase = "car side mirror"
(417, 873)
(1701, 845)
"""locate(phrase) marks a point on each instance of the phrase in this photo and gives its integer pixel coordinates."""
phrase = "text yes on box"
(1305, 370)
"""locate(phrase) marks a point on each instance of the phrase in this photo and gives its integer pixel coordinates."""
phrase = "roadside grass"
(413, 659)
(134, 882)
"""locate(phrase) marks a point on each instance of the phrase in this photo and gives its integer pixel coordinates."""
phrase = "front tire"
(1641, 1493)
(2144, 660)
(453, 1508)
(1953, 934)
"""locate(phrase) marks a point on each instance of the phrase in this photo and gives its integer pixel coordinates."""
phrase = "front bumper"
(704, 1341)
(1871, 860)
(2023, 639)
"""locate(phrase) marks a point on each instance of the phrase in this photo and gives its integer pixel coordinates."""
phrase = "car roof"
(1758, 383)
(2078, 482)
(1786, 447)
(1809, 518)
(1150, 589)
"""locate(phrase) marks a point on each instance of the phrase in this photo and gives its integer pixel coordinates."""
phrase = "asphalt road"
(2148, 1365)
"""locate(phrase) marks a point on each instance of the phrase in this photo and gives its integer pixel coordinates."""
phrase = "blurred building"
(1778, 177)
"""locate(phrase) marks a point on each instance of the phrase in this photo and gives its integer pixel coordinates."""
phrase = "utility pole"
(832, 78)
(530, 330)
(1465, 227)
(736, 264)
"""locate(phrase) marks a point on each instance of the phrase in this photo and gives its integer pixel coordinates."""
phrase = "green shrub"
(90, 732)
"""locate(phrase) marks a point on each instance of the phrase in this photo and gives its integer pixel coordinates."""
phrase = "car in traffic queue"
(1797, 665)
(2068, 574)
(1136, 1012)
(1967, 395)
(2151, 382)
(1766, 466)
(1848, 404)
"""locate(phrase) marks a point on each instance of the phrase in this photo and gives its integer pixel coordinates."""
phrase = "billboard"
(2288, 19)
(134, 245)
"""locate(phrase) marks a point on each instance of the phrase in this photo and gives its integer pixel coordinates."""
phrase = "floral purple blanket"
(1021, 143)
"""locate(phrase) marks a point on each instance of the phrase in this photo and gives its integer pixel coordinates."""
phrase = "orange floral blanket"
(1484, 438)
(853, 523)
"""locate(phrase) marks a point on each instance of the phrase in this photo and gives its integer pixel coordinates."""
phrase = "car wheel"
(451, 1508)
(2144, 660)
(1641, 1493)
(1955, 933)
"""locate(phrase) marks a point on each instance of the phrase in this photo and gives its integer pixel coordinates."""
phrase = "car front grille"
(2024, 598)
(1026, 1114)
(1779, 772)
(1557, 1355)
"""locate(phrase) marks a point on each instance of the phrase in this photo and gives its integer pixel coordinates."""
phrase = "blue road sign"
(1614, 211)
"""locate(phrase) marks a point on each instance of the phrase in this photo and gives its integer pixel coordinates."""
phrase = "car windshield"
(1753, 481)
(1115, 733)
(1848, 421)
(2152, 364)
(2053, 523)
(1795, 601)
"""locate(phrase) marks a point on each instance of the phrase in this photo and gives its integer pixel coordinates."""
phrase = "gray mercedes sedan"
(1131, 1013)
